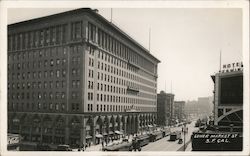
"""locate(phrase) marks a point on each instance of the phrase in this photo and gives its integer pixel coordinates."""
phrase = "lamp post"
(184, 131)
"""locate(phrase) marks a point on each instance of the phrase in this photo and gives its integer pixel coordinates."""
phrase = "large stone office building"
(75, 78)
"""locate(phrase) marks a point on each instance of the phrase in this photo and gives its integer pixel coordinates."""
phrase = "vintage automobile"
(166, 132)
(63, 148)
(175, 135)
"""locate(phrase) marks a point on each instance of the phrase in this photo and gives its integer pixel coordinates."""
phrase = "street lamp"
(184, 131)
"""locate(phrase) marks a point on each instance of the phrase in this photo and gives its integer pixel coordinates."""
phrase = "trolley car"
(143, 139)
(156, 136)
(124, 146)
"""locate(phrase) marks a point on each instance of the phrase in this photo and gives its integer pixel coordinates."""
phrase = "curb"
(182, 147)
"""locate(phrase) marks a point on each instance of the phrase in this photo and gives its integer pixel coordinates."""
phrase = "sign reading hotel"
(237, 66)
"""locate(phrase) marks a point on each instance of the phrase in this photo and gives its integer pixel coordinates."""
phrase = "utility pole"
(111, 16)
(184, 130)
(220, 62)
(149, 39)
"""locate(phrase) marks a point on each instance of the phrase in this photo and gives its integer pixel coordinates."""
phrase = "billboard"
(231, 90)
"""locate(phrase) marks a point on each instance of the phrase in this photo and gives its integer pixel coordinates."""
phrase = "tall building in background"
(191, 109)
(178, 111)
(201, 108)
(165, 108)
(205, 106)
(75, 77)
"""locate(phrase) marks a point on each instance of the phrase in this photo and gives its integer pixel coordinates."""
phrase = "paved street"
(166, 145)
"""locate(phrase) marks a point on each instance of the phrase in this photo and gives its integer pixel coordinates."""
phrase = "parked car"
(175, 135)
(63, 148)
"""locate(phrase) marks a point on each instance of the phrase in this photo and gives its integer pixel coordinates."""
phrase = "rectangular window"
(91, 32)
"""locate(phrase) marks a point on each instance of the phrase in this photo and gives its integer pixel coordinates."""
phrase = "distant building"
(205, 106)
(178, 110)
(165, 108)
(191, 109)
(199, 109)
(228, 98)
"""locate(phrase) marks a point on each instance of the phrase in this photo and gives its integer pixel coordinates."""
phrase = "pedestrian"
(102, 143)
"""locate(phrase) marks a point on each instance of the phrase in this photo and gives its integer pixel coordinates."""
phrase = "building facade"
(228, 98)
(178, 111)
(75, 78)
(165, 108)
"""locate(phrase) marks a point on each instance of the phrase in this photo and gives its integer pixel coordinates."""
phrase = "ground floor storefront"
(78, 130)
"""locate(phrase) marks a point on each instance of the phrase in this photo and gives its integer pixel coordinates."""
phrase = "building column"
(41, 126)
(83, 132)
(30, 133)
(53, 135)
(125, 125)
(137, 123)
(67, 130)
(94, 120)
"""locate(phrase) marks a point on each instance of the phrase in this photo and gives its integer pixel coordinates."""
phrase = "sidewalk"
(94, 148)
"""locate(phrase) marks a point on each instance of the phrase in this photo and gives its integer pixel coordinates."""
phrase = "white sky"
(187, 41)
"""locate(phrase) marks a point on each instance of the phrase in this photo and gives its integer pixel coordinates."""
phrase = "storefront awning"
(105, 133)
(118, 132)
(98, 136)
(110, 132)
(88, 136)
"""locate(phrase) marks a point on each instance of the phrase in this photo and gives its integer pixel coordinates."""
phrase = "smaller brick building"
(165, 108)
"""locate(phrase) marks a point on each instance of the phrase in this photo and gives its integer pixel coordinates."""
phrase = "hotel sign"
(237, 66)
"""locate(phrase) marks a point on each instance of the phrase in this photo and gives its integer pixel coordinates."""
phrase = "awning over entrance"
(98, 136)
(105, 133)
(88, 137)
(150, 126)
(110, 132)
(118, 132)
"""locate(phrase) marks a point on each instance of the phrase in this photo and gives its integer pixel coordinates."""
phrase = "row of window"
(37, 54)
(42, 74)
(117, 108)
(119, 99)
(39, 95)
(39, 85)
(39, 64)
(36, 106)
(37, 38)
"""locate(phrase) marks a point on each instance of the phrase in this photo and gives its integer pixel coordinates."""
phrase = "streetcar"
(156, 136)
(124, 146)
